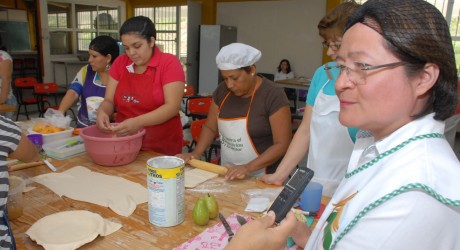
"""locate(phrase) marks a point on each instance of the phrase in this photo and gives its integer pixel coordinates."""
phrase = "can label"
(165, 184)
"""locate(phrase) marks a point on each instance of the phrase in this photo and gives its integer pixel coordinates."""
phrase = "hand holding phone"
(291, 191)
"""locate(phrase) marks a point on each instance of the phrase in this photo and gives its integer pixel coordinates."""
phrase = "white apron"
(412, 159)
(330, 143)
(236, 144)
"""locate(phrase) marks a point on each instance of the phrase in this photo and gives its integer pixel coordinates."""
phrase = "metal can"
(165, 184)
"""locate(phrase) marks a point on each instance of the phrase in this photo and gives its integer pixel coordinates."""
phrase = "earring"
(107, 67)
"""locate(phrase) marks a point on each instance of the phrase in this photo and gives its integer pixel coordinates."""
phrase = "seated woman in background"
(249, 112)
(89, 84)
(401, 189)
(284, 71)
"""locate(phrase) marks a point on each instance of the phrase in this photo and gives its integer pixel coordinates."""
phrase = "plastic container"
(15, 203)
(106, 149)
(65, 148)
(37, 140)
(48, 138)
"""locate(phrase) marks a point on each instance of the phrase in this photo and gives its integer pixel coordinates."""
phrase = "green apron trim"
(403, 189)
(391, 151)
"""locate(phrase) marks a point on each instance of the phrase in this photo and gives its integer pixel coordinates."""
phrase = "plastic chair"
(195, 131)
(198, 108)
(189, 92)
(41, 91)
(23, 86)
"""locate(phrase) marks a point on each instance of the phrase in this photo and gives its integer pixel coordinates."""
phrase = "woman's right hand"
(103, 121)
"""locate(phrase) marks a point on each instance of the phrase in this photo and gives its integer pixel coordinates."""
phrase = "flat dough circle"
(70, 229)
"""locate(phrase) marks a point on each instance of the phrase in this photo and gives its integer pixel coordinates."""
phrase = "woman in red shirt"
(146, 88)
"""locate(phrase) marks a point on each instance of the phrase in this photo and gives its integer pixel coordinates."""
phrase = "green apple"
(200, 213)
(211, 203)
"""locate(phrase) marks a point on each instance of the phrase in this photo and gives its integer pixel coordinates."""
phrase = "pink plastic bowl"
(107, 150)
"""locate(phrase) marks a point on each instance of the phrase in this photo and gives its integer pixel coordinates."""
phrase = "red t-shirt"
(137, 94)
(169, 67)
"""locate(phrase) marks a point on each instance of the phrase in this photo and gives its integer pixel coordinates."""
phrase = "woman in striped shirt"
(15, 145)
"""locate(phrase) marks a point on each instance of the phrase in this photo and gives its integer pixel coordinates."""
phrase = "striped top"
(10, 134)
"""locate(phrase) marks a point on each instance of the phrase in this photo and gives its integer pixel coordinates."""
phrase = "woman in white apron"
(328, 143)
(249, 113)
(401, 191)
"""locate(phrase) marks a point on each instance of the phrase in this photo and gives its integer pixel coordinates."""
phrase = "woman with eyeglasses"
(401, 191)
(328, 143)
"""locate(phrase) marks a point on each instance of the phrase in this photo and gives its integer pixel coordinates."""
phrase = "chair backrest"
(189, 90)
(199, 105)
(46, 88)
(195, 129)
(25, 82)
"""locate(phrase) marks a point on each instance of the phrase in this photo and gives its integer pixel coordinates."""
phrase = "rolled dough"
(80, 183)
(197, 176)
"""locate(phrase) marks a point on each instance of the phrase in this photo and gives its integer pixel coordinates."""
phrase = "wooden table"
(295, 83)
(136, 232)
(5, 108)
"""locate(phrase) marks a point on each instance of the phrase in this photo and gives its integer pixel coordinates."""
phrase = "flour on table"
(197, 176)
(80, 183)
(70, 229)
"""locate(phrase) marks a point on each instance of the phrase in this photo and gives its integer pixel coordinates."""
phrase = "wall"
(280, 29)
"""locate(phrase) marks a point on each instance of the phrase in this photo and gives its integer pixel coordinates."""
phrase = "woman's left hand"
(127, 127)
(235, 171)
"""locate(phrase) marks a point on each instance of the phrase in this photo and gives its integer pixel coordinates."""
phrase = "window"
(451, 11)
(90, 21)
(171, 25)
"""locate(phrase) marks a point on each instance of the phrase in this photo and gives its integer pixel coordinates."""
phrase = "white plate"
(70, 229)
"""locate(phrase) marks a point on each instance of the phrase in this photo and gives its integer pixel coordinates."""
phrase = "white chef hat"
(237, 55)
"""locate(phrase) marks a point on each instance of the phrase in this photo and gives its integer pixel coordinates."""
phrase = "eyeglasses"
(333, 46)
(358, 74)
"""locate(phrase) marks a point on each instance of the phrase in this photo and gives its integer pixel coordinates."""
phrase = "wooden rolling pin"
(26, 165)
(220, 170)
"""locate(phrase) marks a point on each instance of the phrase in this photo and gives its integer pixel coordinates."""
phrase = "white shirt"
(283, 76)
(394, 208)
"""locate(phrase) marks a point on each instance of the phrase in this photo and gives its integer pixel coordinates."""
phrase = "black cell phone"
(294, 187)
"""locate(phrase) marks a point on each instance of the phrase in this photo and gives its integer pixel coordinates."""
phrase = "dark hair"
(288, 65)
(416, 32)
(105, 45)
(139, 25)
(333, 23)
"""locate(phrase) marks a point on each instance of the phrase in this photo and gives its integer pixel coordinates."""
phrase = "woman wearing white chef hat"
(249, 112)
